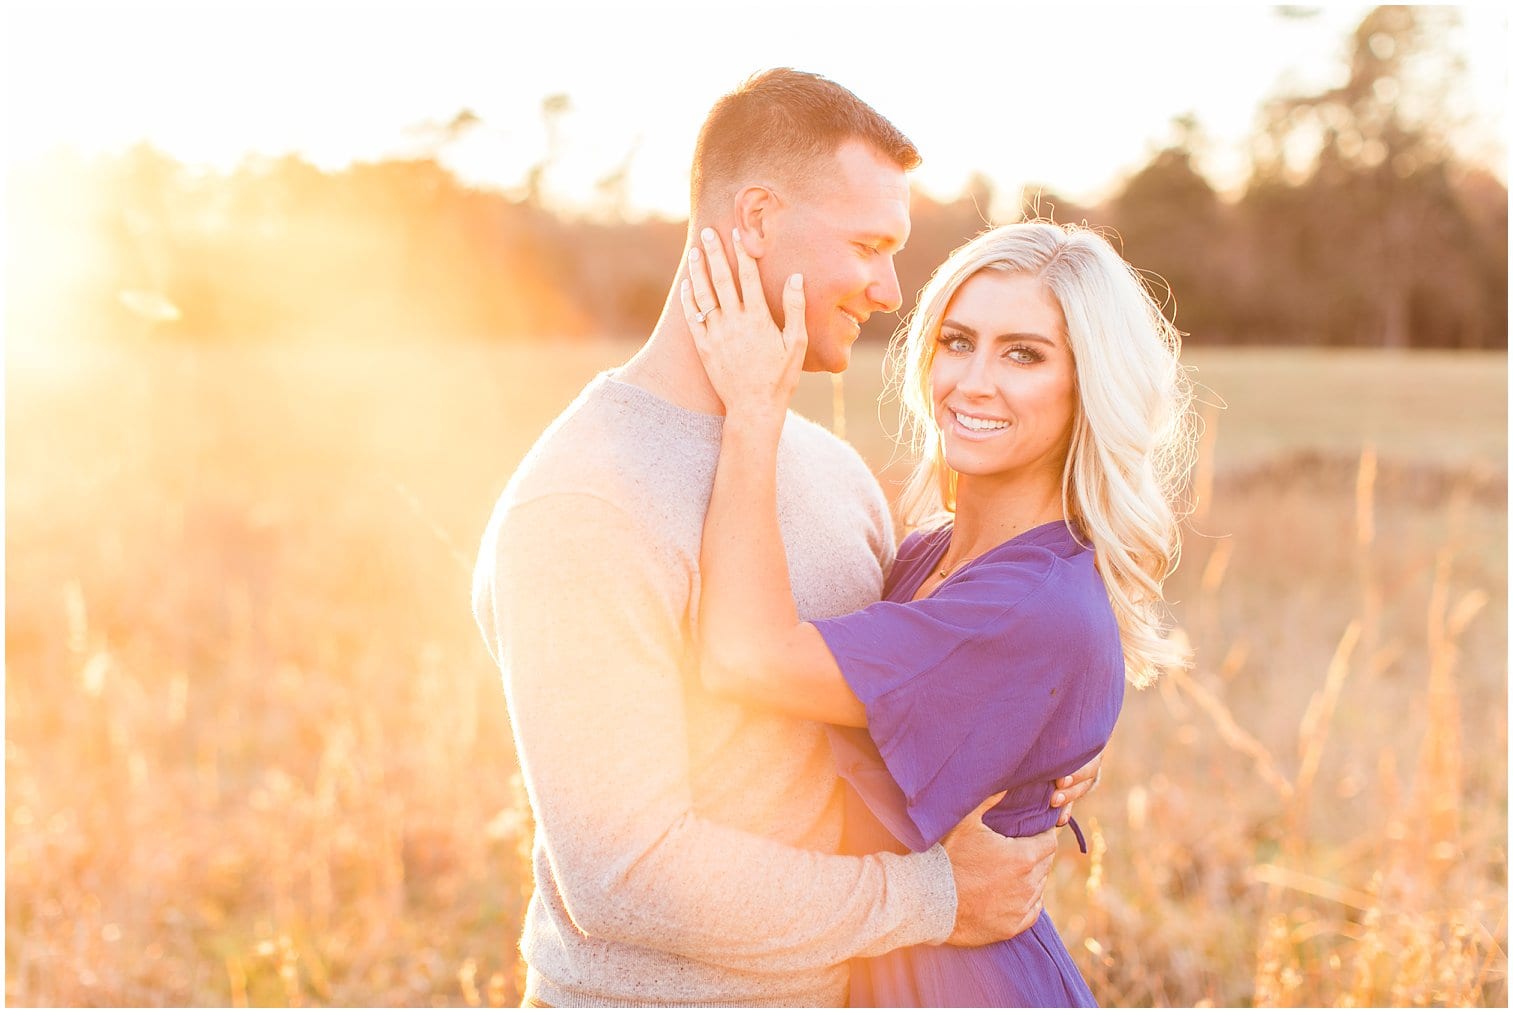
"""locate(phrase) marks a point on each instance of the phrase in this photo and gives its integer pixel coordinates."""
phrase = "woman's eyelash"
(947, 339)
(1033, 353)
(1020, 353)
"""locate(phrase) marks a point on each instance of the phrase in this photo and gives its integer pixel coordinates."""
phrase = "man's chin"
(833, 360)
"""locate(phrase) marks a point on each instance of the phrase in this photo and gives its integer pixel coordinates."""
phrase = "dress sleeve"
(958, 687)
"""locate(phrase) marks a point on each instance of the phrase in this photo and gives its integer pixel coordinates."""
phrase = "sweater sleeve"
(581, 608)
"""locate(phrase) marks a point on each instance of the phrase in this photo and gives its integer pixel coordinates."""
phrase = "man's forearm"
(727, 897)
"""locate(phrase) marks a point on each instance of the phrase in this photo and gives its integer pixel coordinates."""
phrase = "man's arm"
(582, 607)
(986, 884)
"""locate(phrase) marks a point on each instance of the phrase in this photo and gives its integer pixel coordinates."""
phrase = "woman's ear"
(754, 208)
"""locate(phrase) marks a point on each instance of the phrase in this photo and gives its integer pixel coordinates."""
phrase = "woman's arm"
(752, 644)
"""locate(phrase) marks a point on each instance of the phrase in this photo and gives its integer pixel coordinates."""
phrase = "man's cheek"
(814, 320)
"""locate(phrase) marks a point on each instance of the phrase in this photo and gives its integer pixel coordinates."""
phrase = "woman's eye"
(955, 343)
(1024, 354)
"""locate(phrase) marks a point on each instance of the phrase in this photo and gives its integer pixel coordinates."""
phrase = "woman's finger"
(746, 267)
(696, 325)
(690, 311)
(719, 272)
(795, 334)
(704, 300)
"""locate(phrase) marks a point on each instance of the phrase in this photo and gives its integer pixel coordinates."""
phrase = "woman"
(1056, 432)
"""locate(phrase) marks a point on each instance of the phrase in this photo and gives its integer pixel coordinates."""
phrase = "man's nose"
(884, 290)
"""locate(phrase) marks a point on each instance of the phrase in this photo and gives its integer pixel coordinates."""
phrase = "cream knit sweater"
(684, 849)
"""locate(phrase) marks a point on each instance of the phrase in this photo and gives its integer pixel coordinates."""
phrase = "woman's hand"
(753, 366)
(1074, 786)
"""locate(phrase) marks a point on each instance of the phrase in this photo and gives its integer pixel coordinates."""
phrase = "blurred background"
(290, 289)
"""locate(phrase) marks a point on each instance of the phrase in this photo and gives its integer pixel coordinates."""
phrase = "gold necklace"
(946, 571)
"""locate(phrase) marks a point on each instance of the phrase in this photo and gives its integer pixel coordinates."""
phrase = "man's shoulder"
(581, 505)
(569, 455)
(609, 445)
(610, 461)
(817, 443)
(815, 435)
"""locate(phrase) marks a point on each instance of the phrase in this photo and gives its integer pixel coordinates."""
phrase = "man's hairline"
(803, 183)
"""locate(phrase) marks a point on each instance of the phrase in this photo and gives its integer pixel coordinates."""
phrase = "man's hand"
(1074, 786)
(1000, 881)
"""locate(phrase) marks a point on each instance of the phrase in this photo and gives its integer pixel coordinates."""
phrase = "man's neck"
(668, 364)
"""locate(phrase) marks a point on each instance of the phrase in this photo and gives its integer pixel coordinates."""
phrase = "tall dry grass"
(1302, 804)
(256, 754)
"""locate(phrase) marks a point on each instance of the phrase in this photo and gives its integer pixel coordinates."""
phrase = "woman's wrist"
(759, 421)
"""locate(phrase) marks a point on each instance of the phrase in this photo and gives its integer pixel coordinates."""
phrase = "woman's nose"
(975, 378)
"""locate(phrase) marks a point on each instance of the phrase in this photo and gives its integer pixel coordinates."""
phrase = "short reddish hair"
(784, 122)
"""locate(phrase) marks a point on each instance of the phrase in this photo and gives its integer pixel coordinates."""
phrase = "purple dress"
(1005, 678)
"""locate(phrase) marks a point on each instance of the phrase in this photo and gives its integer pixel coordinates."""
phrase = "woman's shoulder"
(1052, 549)
(921, 541)
(1046, 573)
(1031, 557)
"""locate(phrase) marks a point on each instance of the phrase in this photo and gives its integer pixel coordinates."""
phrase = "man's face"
(841, 232)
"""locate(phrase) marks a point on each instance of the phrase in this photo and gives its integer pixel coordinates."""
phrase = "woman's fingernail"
(1057, 800)
(707, 235)
(693, 253)
(735, 235)
(796, 281)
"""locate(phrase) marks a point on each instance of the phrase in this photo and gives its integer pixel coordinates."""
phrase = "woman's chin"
(967, 465)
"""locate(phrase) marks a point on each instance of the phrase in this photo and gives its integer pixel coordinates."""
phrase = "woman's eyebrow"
(971, 332)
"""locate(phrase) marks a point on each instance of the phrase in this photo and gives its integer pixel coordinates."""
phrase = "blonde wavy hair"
(1134, 435)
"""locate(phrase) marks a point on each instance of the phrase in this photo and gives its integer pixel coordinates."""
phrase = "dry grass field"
(257, 755)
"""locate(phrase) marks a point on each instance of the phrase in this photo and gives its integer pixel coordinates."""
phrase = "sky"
(1067, 96)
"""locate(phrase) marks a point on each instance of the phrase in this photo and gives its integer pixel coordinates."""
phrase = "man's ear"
(754, 210)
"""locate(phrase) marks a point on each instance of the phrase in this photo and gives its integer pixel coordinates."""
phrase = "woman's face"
(1003, 382)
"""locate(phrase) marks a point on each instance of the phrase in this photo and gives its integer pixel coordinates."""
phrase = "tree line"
(1358, 225)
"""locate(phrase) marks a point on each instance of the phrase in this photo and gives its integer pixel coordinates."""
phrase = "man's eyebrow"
(883, 239)
(971, 332)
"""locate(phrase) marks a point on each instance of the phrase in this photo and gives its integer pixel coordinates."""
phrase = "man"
(685, 844)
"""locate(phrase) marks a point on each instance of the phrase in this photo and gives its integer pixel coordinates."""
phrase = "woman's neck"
(990, 513)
